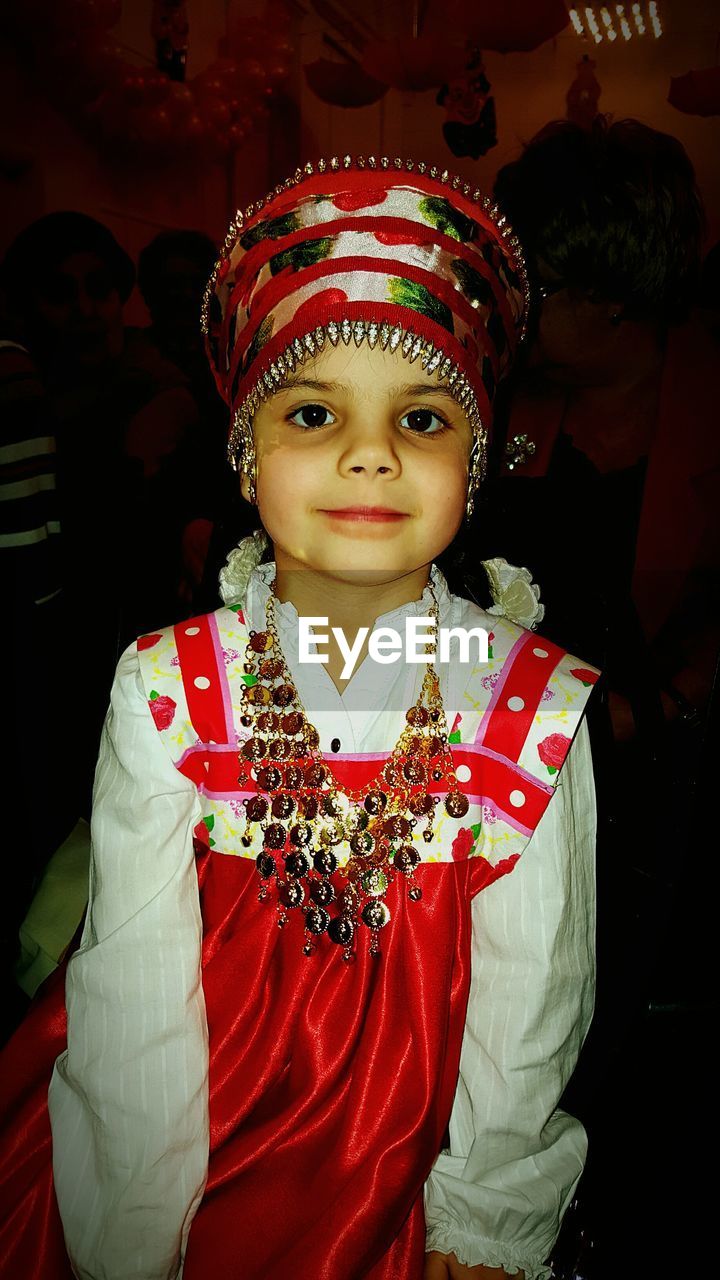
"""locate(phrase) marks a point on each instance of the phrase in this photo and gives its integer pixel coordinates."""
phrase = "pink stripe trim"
(509, 818)
(507, 667)
(222, 676)
(476, 749)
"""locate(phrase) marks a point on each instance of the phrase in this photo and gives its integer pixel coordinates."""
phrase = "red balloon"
(207, 83)
(157, 87)
(277, 70)
(215, 112)
(159, 126)
(280, 45)
(195, 129)
(131, 85)
(225, 67)
(180, 99)
(78, 71)
(243, 43)
(252, 72)
(236, 135)
(219, 78)
(238, 104)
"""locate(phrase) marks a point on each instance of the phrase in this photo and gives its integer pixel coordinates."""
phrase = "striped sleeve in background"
(29, 523)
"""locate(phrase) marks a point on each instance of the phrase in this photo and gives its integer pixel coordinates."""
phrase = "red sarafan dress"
(263, 1113)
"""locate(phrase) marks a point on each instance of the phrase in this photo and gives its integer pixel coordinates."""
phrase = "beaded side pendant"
(304, 815)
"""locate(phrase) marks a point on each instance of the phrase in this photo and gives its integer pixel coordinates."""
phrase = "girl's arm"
(128, 1100)
(497, 1196)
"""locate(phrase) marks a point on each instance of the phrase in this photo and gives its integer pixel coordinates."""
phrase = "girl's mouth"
(375, 514)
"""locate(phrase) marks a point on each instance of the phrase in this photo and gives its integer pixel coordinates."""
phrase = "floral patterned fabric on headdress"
(407, 259)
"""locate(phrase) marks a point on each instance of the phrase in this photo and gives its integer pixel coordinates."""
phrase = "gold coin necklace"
(305, 815)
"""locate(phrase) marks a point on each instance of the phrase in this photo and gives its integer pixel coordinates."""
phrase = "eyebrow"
(406, 389)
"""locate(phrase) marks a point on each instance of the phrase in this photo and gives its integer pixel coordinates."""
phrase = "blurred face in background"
(175, 301)
(76, 312)
(576, 341)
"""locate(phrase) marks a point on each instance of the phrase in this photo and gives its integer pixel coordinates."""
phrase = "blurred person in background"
(31, 641)
(616, 400)
(612, 439)
(121, 414)
(173, 270)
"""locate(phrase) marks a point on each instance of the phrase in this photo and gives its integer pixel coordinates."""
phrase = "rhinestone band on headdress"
(388, 252)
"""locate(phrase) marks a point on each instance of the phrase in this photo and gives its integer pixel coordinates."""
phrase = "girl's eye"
(311, 415)
(424, 422)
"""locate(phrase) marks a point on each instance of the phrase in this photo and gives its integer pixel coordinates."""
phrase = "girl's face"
(362, 463)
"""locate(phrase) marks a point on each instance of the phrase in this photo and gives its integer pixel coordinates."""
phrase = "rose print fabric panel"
(509, 740)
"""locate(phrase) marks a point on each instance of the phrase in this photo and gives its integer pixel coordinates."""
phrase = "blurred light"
(624, 26)
(655, 19)
(597, 24)
(611, 33)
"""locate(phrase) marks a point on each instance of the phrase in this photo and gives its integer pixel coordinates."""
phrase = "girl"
(315, 1027)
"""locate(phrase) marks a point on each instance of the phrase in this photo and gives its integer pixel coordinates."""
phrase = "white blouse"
(128, 1100)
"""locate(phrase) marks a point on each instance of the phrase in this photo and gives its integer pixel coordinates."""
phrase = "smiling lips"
(367, 514)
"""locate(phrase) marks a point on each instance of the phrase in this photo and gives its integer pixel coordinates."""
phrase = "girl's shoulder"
(524, 701)
(193, 678)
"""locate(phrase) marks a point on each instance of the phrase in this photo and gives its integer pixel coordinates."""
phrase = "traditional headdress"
(387, 252)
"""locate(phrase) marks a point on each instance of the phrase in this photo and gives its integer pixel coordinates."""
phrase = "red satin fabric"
(331, 1087)
(32, 1246)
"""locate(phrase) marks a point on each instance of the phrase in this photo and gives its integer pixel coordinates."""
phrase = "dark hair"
(47, 242)
(613, 209)
(194, 245)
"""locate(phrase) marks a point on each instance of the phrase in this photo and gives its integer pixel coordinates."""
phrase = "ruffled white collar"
(515, 595)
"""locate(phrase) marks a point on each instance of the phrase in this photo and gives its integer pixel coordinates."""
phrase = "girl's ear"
(247, 488)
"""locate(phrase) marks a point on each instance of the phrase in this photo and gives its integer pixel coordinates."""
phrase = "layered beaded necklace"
(304, 814)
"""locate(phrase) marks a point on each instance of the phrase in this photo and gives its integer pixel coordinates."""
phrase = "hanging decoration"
(470, 128)
(697, 93)
(426, 57)
(415, 63)
(152, 112)
(343, 84)
(583, 97)
(171, 31)
(514, 26)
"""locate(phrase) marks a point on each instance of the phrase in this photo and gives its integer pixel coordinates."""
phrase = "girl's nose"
(369, 447)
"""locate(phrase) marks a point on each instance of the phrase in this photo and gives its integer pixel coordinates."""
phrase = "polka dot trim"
(517, 799)
(516, 704)
(201, 682)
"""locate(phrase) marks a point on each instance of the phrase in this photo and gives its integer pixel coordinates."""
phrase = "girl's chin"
(352, 566)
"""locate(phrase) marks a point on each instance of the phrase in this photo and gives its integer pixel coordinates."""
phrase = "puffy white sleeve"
(497, 1196)
(128, 1100)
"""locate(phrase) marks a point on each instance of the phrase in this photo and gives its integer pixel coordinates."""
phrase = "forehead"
(366, 371)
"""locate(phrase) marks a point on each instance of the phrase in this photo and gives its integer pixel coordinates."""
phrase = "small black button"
(335, 744)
